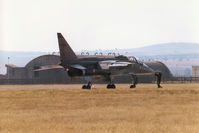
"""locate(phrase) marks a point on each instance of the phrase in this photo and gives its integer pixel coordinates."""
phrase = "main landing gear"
(111, 85)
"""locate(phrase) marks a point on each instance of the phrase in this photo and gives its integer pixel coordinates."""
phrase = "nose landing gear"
(88, 86)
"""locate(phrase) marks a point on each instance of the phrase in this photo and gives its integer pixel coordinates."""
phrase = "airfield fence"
(184, 79)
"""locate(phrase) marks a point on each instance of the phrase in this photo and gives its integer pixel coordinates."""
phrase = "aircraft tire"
(132, 86)
(84, 87)
(159, 86)
(111, 86)
(88, 86)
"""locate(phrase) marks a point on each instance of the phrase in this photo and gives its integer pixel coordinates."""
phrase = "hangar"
(26, 75)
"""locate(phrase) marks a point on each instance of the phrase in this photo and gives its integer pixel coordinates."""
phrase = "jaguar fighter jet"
(107, 68)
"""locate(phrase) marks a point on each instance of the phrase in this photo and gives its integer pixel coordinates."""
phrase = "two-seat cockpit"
(120, 61)
(133, 59)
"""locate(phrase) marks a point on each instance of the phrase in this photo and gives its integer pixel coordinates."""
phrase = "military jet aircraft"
(108, 67)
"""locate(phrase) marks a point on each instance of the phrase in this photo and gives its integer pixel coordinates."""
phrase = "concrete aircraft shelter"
(26, 75)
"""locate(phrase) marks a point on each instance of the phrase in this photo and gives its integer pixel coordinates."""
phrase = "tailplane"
(66, 53)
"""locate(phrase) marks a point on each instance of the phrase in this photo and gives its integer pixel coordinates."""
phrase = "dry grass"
(67, 108)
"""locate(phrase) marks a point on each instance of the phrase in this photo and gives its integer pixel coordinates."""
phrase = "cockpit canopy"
(122, 58)
(133, 59)
(129, 58)
(125, 58)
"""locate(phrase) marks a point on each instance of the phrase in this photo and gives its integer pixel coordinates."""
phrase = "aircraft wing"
(43, 68)
(137, 74)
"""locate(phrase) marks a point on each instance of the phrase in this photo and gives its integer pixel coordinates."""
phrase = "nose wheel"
(133, 86)
(88, 86)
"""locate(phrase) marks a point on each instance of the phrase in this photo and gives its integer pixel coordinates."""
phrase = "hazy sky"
(31, 25)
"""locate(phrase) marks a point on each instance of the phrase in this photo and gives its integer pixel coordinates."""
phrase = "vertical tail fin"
(66, 53)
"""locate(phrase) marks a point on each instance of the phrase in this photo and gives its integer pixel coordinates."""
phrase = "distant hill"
(157, 49)
(166, 49)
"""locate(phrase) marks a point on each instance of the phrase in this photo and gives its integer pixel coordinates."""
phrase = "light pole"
(8, 68)
(8, 60)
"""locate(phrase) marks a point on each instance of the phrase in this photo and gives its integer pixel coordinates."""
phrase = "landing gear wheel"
(111, 86)
(159, 86)
(132, 86)
(84, 87)
(88, 86)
